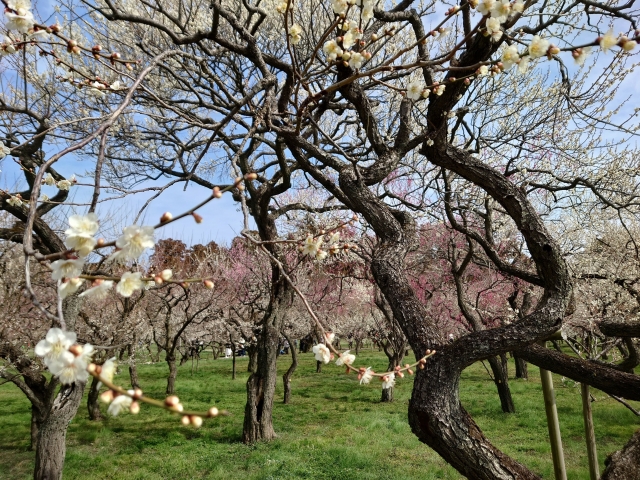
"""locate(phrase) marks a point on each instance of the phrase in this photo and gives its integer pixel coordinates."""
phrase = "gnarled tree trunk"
(261, 385)
(521, 368)
(51, 448)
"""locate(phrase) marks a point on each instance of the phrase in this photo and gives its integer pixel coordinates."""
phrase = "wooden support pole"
(589, 433)
(553, 424)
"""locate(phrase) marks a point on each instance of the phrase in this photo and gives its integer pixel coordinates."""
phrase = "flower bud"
(91, 368)
(137, 394)
(107, 396)
(100, 242)
(76, 350)
(129, 67)
(75, 50)
(209, 284)
(166, 217)
(367, 55)
(196, 421)
(178, 408)
(553, 50)
(185, 420)
(251, 176)
(96, 48)
(467, 81)
(374, 37)
(134, 408)
(216, 192)
(213, 412)
(158, 280)
(171, 401)
(197, 217)
(166, 274)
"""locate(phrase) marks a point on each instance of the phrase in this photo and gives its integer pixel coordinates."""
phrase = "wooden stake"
(553, 424)
(589, 433)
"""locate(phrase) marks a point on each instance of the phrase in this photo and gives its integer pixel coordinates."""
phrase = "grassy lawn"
(333, 429)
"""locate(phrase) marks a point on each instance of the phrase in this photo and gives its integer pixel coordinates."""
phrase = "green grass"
(334, 429)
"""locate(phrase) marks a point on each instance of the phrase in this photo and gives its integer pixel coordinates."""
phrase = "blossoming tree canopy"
(470, 114)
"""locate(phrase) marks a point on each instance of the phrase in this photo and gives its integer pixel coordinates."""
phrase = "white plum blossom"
(339, 6)
(120, 403)
(332, 49)
(321, 254)
(629, 45)
(523, 65)
(107, 371)
(429, 142)
(129, 283)
(482, 71)
(55, 343)
(7, 48)
(335, 238)
(388, 381)
(439, 90)
(367, 12)
(345, 358)
(69, 287)
(49, 180)
(311, 246)
(64, 184)
(66, 268)
(538, 47)
(4, 150)
(322, 353)
(282, 7)
(493, 28)
(510, 57)
(20, 22)
(581, 54)
(80, 237)
(15, 201)
(166, 274)
(330, 336)
(353, 34)
(70, 368)
(356, 60)
(115, 86)
(414, 90)
(518, 7)
(99, 291)
(608, 41)
(295, 32)
(485, 6)
(133, 242)
(366, 376)
(501, 10)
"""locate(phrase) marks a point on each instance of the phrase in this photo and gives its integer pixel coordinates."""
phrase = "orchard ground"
(333, 428)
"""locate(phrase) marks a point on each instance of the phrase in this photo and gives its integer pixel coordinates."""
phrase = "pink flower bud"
(216, 192)
(171, 401)
(166, 217)
(213, 412)
(196, 421)
(185, 420)
(197, 217)
(134, 408)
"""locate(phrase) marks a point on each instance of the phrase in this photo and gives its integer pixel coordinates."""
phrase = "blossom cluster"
(80, 237)
(65, 359)
(313, 246)
(64, 184)
(19, 17)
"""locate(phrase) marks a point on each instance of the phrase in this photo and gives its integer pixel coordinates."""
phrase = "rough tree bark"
(261, 385)
(501, 379)
(93, 405)
(173, 373)
(521, 368)
(51, 448)
(624, 464)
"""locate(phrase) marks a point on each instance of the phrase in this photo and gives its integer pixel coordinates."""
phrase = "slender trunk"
(286, 378)
(521, 368)
(233, 361)
(133, 367)
(501, 379)
(173, 373)
(51, 448)
(387, 395)
(93, 405)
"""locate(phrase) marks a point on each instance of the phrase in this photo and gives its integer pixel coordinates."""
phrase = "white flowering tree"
(344, 95)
